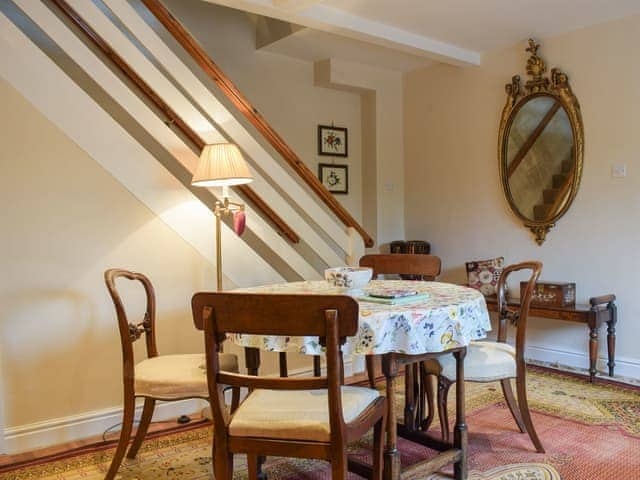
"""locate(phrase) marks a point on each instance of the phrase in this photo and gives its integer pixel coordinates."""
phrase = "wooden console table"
(599, 310)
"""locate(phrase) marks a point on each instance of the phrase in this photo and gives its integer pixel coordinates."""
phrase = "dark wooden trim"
(191, 46)
(526, 146)
(172, 117)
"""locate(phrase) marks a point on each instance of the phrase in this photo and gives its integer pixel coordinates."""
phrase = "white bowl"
(348, 278)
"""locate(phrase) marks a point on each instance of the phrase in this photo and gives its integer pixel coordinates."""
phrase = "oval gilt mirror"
(540, 146)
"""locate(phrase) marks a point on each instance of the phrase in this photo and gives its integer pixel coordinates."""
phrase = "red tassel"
(239, 222)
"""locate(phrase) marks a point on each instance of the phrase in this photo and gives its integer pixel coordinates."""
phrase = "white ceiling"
(483, 25)
(451, 31)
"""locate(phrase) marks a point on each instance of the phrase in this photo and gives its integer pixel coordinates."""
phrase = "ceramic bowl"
(348, 278)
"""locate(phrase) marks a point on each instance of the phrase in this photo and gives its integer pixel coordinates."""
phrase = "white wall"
(453, 193)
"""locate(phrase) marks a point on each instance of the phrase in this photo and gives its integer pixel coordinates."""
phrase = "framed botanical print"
(334, 177)
(332, 141)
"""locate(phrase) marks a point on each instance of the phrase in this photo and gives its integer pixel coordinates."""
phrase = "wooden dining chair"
(309, 417)
(158, 377)
(493, 361)
(425, 267)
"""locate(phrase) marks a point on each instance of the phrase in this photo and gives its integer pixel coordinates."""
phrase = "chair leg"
(371, 370)
(378, 448)
(222, 464)
(125, 436)
(235, 398)
(145, 421)
(521, 387)
(252, 466)
(428, 393)
(443, 392)
(511, 402)
(339, 467)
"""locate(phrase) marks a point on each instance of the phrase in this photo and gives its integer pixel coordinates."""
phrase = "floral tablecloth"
(450, 316)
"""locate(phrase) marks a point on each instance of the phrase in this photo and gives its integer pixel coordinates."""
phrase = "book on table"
(392, 296)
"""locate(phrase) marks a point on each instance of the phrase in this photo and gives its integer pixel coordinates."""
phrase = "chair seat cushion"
(485, 362)
(177, 376)
(295, 414)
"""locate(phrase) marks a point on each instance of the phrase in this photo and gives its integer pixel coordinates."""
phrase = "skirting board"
(36, 435)
(75, 427)
(625, 367)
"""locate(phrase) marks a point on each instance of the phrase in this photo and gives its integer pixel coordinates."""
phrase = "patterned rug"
(591, 432)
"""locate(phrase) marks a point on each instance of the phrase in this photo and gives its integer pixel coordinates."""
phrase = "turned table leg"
(593, 351)
(611, 337)
(460, 429)
(391, 454)
(252, 361)
(410, 381)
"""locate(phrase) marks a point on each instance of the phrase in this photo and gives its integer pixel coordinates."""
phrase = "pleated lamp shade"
(221, 164)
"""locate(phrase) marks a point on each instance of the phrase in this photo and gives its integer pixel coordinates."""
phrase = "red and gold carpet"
(591, 432)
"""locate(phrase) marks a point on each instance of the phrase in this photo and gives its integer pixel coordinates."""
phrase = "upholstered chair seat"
(171, 377)
(296, 415)
(485, 362)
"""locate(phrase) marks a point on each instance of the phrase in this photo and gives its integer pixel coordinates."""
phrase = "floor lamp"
(222, 165)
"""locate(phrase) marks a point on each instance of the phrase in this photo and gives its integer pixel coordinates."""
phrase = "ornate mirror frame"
(556, 86)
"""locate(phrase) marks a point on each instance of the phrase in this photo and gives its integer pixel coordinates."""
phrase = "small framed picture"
(332, 141)
(334, 177)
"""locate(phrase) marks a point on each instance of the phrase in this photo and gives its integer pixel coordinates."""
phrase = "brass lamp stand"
(222, 165)
(226, 207)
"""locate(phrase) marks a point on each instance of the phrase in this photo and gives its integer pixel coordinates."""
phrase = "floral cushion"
(483, 275)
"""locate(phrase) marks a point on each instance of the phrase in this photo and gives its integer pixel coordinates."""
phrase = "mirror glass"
(540, 160)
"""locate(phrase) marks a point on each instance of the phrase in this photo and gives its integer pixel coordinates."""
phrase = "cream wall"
(382, 119)
(65, 221)
(281, 88)
(453, 195)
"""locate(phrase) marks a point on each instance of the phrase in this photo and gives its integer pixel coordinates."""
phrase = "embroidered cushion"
(483, 275)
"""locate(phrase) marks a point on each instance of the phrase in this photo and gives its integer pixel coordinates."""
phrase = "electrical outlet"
(619, 170)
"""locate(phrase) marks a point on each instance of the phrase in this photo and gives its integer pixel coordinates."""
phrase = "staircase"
(107, 65)
(554, 196)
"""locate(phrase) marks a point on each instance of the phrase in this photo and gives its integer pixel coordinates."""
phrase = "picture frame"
(334, 177)
(333, 141)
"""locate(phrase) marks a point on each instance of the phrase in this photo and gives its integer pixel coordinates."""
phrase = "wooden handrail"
(526, 146)
(172, 116)
(184, 38)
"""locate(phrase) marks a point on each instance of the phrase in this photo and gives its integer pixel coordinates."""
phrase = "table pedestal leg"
(391, 454)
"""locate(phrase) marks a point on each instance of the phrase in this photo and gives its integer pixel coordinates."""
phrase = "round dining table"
(441, 318)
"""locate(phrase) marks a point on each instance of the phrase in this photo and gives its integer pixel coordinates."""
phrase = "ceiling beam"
(312, 14)
(294, 5)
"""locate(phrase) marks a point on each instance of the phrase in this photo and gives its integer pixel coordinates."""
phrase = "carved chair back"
(330, 317)
(130, 332)
(516, 317)
(403, 264)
